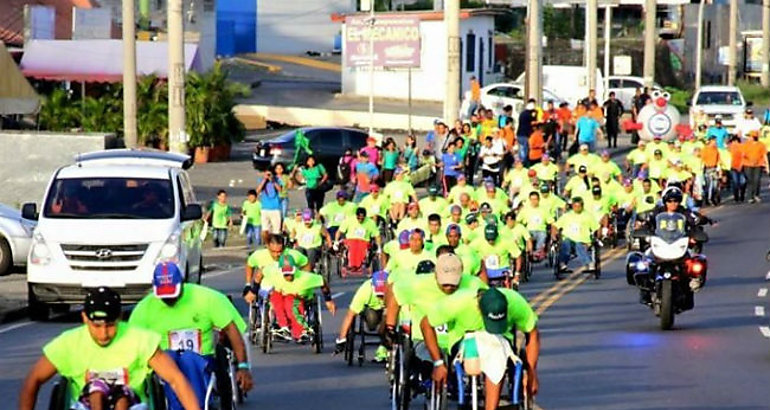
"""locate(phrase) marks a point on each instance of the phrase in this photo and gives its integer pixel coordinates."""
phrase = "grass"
(755, 93)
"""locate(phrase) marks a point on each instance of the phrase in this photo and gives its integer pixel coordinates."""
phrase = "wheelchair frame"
(361, 333)
(61, 400)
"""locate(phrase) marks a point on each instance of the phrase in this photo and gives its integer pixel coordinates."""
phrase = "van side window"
(187, 190)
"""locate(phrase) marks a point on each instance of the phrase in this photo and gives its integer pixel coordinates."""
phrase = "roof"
(16, 94)
(130, 156)
(97, 60)
(114, 171)
(12, 17)
(717, 88)
(424, 15)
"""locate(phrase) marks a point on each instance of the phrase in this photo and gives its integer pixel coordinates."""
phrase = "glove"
(336, 246)
(248, 289)
(340, 345)
(390, 336)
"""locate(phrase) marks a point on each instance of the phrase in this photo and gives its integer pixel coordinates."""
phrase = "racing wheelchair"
(594, 250)
(63, 394)
(360, 329)
(263, 326)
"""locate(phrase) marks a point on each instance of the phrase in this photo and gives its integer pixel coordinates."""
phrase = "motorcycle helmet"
(672, 194)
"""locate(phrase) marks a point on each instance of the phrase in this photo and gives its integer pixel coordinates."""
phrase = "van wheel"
(38, 311)
(6, 259)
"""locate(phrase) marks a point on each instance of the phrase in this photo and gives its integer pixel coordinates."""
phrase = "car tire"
(38, 311)
(6, 258)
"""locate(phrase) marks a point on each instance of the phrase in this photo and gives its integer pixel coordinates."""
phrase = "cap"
(425, 266)
(471, 218)
(627, 182)
(641, 143)
(494, 309)
(307, 215)
(597, 190)
(454, 227)
(490, 232)
(413, 205)
(546, 157)
(449, 269)
(544, 188)
(605, 153)
(403, 239)
(658, 152)
(531, 173)
(102, 304)
(433, 190)
(167, 280)
(584, 147)
(379, 282)
(460, 177)
(485, 207)
(489, 185)
(582, 168)
(374, 188)
(341, 194)
(399, 171)
(288, 267)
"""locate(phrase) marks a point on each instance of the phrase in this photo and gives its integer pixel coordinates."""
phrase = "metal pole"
(410, 100)
(452, 91)
(607, 29)
(534, 51)
(699, 46)
(176, 78)
(371, 67)
(129, 74)
(650, 38)
(592, 19)
(732, 63)
(765, 43)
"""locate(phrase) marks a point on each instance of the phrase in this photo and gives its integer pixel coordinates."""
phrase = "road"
(601, 349)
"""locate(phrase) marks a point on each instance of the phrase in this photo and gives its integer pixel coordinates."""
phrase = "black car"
(328, 145)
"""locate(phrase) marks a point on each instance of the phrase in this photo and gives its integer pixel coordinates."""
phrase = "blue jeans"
(523, 148)
(284, 206)
(581, 249)
(220, 237)
(539, 238)
(253, 237)
(472, 108)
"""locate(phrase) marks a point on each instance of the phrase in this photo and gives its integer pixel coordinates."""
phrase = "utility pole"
(592, 31)
(765, 43)
(650, 39)
(732, 63)
(129, 75)
(699, 45)
(372, 23)
(452, 92)
(607, 30)
(177, 136)
(534, 51)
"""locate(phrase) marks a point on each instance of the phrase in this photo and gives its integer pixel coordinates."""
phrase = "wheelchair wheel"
(323, 266)
(266, 329)
(60, 399)
(597, 262)
(554, 259)
(254, 325)
(526, 268)
(401, 394)
(350, 343)
(225, 377)
(362, 346)
(317, 326)
(156, 394)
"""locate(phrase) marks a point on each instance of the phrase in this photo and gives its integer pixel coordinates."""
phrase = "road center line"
(14, 326)
(762, 293)
(765, 331)
(338, 294)
(759, 310)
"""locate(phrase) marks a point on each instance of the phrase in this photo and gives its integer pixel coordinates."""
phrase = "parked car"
(15, 239)
(107, 220)
(719, 100)
(625, 87)
(496, 96)
(328, 145)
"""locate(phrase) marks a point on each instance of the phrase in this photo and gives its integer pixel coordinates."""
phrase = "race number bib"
(340, 217)
(307, 240)
(574, 229)
(535, 220)
(185, 339)
(492, 262)
(114, 377)
(398, 195)
(374, 210)
(359, 232)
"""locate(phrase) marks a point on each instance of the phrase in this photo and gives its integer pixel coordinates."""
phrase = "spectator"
(269, 189)
(502, 119)
(737, 177)
(537, 145)
(451, 167)
(366, 173)
(251, 216)
(527, 117)
(591, 99)
(286, 184)
(439, 140)
(587, 132)
(491, 155)
(748, 124)
(411, 155)
(565, 125)
(719, 132)
(613, 110)
(221, 218)
(315, 176)
(389, 160)
(372, 151)
(754, 160)
(475, 96)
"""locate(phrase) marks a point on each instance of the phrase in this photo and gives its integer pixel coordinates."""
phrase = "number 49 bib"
(185, 339)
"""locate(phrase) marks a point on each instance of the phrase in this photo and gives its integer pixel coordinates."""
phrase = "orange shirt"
(564, 114)
(475, 91)
(754, 154)
(580, 111)
(710, 156)
(508, 135)
(536, 145)
(597, 114)
(736, 154)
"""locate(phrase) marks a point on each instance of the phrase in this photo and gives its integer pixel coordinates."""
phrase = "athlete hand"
(243, 377)
(439, 375)
(332, 307)
(249, 296)
(532, 384)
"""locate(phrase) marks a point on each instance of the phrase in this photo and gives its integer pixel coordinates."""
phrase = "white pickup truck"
(107, 220)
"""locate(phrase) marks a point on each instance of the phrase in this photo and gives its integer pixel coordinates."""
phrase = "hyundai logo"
(103, 254)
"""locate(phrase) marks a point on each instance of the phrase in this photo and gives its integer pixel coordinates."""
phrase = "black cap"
(102, 304)
(582, 168)
(596, 190)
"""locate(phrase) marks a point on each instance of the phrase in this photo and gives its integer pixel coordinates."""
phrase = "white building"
(477, 51)
(297, 26)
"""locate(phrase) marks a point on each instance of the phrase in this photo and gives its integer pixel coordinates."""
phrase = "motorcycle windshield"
(670, 227)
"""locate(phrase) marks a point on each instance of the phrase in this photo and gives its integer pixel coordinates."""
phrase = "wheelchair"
(262, 323)
(371, 262)
(225, 371)
(359, 323)
(594, 250)
(61, 395)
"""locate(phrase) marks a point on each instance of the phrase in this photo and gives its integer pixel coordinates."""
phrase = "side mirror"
(640, 234)
(689, 103)
(29, 211)
(749, 103)
(192, 212)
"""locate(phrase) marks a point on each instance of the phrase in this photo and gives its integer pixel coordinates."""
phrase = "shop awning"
(97, 60)
(16, 94)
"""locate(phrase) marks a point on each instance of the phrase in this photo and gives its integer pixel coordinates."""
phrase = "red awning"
(97, 60)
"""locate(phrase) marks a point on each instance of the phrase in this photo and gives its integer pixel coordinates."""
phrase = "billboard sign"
(396, 41)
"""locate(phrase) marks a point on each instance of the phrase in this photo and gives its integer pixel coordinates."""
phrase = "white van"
(569, 82)
(107, 220)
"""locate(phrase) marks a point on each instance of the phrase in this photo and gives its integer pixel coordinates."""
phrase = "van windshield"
(719, 98)
(110, 198)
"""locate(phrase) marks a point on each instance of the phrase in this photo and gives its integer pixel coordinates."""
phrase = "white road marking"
(765, 331)
(218, 273)
(338, 294)
(759, 310)
(762, 293)
(14, 326)
(767, 277)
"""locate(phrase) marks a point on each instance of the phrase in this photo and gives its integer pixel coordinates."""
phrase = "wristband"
(439, 362)
(243, 366)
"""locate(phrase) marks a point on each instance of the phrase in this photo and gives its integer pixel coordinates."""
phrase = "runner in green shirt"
(221, 218)
(496, 255)
(576, 229)
(106, 357)
(309, 236)
(369, 303)
(251, 215)
(334, 213)
(536, 219)
(185, 316)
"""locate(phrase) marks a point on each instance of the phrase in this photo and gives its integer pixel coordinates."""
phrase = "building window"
(707, 33)
(490, 51)
(470, 52)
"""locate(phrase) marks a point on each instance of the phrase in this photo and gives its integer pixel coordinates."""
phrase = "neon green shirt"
(303, 285)
(433, 242)
(220, 215)
(652, 147)
(599, 207)
(497, 255)
(589, 160)
(552, 202)
(518, 234)
(375, 206)
(439, 206)
(471, 261)
(365, 297)
(578, 227)
(637, 157)
(309, 237)
(399, 192)
(535, 219)
(576, 186)
(546, 172)
(335, 214)
(516, 177)
(657, 168)
(75, 355)
(457, 191)
(645, 202)
(262, 260)
(610, 168)
(253, 212)
(409, 223)
(353, 229)
(198, 309)
(461, 314)
(404, 263)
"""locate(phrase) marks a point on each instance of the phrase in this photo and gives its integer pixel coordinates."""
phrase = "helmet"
(672, 194)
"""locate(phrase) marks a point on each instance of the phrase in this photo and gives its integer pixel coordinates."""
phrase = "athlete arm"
(40, 373)
(533, 355)
(327, 295)
(239, 348)
(165, 367)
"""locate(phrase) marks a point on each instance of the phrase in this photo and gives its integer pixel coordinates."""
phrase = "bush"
(679, 98)
(754, 92)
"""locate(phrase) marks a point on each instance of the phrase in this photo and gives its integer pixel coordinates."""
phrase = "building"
(429, 80)
(12, 18)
